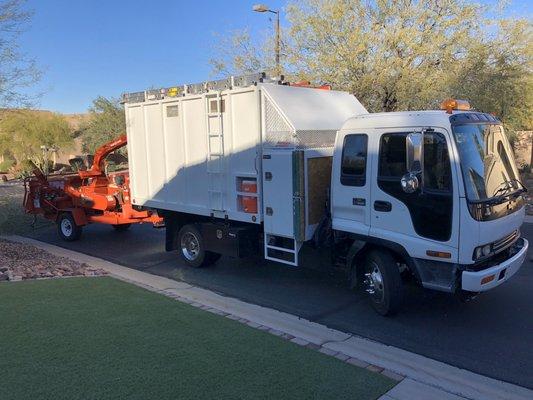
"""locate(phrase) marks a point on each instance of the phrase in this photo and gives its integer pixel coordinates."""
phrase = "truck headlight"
(482, 251)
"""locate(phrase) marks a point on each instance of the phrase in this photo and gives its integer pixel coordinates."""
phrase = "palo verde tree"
(394, 55)
(496, 75)
(402, 54)
(246, 55)
(106, 122)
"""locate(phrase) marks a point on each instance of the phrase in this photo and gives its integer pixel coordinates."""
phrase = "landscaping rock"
(22, 261)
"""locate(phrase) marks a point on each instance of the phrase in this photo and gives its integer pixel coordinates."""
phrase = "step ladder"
(215, 151)
(282, 249)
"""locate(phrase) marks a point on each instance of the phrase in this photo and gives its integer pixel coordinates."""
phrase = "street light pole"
(263, 8)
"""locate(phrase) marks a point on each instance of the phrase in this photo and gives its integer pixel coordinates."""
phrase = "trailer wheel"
(192, 249)
(67, 228)
(382, 282)
(121, 227)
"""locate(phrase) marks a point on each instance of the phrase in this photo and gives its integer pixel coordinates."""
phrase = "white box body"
(190, 153)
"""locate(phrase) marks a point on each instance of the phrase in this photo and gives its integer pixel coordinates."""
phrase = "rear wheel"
(192, 248)
(67, 228)
(121, 227)
(382, 282)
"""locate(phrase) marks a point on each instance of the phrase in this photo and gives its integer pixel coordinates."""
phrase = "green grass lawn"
(99, 338)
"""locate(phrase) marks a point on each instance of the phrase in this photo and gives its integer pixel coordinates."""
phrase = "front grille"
(505, 242)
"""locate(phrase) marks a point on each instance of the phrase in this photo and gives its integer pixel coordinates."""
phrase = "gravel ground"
(21, 261)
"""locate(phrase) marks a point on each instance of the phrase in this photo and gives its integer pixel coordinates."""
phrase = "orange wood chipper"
(85, 197)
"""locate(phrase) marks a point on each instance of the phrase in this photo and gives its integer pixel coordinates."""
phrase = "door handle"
(382, 206)
(358, 201)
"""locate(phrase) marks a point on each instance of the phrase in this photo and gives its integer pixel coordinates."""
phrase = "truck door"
(428, 213)
(350, 197)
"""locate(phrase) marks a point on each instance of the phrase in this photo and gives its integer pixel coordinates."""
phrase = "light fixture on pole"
(263, 8)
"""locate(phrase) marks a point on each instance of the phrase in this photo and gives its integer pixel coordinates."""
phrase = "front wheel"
(192, 248)
(382, 282)
(67, 228)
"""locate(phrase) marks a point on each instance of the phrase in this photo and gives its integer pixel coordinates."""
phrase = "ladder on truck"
(215, 151)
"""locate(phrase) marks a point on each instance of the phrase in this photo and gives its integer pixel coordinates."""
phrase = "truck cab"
(435, 193)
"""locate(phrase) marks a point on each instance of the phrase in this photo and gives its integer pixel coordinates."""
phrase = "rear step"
(282, 249)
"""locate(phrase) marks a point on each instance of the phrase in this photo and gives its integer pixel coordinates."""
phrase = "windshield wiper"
(509, 185)
(500, 198)
(504, 197)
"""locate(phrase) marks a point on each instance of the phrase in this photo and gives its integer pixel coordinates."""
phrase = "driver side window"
(392, 156)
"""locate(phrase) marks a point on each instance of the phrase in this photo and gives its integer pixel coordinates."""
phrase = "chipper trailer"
(88, 196)
(250, 164)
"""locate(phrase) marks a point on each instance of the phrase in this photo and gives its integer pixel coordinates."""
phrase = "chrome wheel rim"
(66, 227)
(374, 282)
(190, 246)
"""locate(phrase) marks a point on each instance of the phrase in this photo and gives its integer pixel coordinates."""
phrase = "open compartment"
(247, 195)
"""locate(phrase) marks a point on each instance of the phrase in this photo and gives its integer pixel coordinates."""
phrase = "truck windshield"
(487, 161)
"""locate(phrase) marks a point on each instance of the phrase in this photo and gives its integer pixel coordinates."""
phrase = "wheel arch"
(80, 218)
(360, 248)
(174, 221)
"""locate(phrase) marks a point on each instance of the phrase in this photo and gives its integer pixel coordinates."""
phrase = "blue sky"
(88, 48)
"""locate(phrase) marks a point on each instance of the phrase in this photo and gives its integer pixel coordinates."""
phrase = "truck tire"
(121, 227)
(191, 248)
(382, 282)
(67, 228)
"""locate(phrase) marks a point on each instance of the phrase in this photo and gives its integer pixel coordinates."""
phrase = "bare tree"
(17, 70)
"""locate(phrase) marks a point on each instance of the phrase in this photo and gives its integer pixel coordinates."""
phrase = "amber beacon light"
(452, 104)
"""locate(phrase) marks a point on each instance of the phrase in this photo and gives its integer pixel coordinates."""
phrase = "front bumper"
(481, 281)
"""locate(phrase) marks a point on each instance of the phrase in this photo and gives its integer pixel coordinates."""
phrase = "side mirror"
(414, 152)
(409, 182)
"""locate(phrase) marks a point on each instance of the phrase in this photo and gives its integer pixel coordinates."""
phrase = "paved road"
(491, 335)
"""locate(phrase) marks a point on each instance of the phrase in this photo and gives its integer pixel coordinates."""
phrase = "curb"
(423, 376)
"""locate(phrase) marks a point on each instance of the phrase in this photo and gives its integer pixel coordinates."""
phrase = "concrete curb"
(426, 378)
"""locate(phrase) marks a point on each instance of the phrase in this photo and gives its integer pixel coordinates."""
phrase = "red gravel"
(22, 261)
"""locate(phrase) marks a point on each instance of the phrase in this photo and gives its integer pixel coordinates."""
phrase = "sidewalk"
(422, 378)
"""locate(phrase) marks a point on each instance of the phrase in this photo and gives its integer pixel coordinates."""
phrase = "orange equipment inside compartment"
(249, 186)
(248, 203)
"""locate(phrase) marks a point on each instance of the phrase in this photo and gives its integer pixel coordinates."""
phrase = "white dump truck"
(249, 164)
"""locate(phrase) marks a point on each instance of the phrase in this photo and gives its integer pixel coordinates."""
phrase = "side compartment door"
(278, 193)
(351, 184)
(279, 206)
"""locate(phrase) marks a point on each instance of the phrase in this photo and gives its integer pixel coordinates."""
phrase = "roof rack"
(202, 87)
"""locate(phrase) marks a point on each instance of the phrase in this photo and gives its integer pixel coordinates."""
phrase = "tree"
(106, 122)
(17, 71)
(406, 54)
(245, 56)
(30, 135)
(391, 54)
(496, 75)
